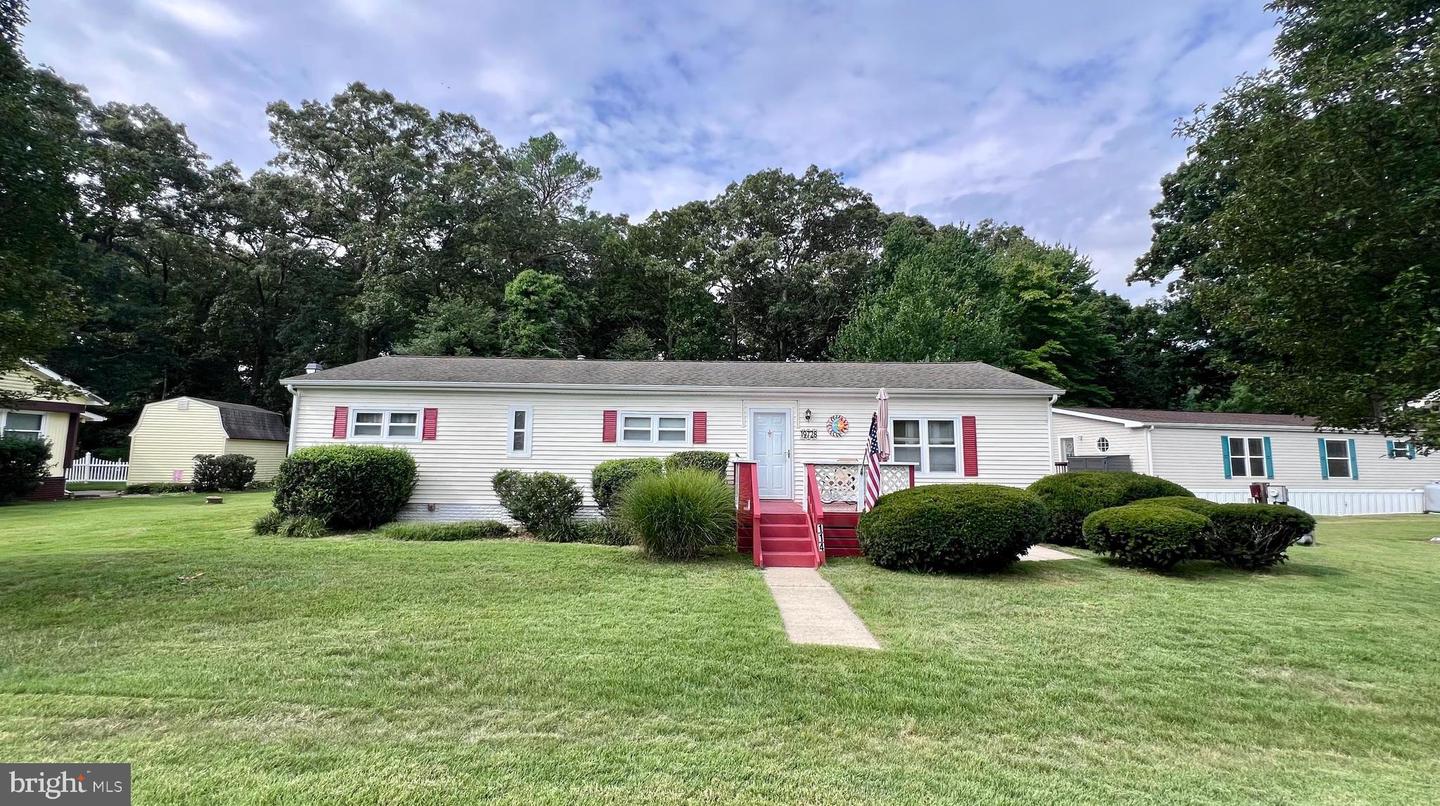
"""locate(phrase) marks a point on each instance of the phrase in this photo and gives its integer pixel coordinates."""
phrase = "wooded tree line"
(139, 267)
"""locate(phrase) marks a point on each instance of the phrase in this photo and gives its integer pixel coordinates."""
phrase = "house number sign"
(809, 433)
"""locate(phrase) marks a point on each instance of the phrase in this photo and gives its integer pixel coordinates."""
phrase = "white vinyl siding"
(267, 453)
(167, 438)
(475, 431)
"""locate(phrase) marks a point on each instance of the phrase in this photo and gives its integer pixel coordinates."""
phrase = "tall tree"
(542, 317)
(1305, 221)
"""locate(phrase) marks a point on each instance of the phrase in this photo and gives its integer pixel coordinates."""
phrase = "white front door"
(770, 449)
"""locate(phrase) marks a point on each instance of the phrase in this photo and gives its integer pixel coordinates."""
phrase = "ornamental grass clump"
(679, 515)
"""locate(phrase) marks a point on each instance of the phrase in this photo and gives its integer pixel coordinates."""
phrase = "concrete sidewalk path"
(1044, 553)
(813, 612)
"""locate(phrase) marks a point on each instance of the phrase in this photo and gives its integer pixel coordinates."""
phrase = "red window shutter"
(341, 427)
(698, 422)
(427, 431)
(607, 430)
(972, 457)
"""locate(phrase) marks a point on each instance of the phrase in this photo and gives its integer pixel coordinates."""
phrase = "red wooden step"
(769, 544)
(846, 519)
(784, 530)
(789, 559)
(767, 518)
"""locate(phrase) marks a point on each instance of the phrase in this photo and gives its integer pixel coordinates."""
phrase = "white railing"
(839, 482)
(88, 468)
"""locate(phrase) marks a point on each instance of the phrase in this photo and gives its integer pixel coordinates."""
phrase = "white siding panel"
(1335, 502)
(456, 467)
(267, 453)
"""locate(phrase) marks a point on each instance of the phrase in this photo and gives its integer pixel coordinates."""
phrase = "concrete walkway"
(1043, 553)
(813, 612)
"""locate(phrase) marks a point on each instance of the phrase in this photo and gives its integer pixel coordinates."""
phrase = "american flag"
(872, 465)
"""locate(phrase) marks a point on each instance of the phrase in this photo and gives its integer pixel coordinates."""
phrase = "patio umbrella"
(883, 435)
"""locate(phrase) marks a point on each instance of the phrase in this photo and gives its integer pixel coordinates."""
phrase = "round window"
(1103, 444)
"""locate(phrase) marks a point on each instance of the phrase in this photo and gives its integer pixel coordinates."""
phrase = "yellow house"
(36, 403)
(170, 433)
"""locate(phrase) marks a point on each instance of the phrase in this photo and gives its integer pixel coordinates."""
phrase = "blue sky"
(1052, 114)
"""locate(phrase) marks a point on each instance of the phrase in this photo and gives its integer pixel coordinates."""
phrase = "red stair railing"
(747, 508)
(815, 514)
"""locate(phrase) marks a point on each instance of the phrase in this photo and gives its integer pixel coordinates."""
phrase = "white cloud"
(204, 16)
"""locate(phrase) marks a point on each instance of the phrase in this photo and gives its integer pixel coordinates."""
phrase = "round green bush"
(345, 486)
(1255, 536)
(610, 478)
(952, 527)
(544, 503)
(1197, 505)
(717, 462)
(1147, 535)
(1071, 497)
(24, 464)
(681, 514)
(229, 471)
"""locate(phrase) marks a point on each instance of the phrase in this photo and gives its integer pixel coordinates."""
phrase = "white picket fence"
(88, 468)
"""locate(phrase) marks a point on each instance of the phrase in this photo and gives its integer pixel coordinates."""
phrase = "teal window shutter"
(1225, 453)
(1354, 466)
(1390, 448)
(1324, 461)
(1269, 461)
(1410, 448)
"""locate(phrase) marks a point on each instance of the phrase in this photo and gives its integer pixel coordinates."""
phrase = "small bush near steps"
(717, 462)
(952, 527)
(680, 515)
(610, 478)
(1146, 534)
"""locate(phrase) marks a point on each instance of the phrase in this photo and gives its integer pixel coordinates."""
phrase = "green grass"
(231, 668)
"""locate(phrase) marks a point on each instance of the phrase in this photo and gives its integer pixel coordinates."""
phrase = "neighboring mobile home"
(1219, 455)
(170, 433)
(44, 406)
(463, 419)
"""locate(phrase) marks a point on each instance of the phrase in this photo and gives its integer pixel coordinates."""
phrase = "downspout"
(1149, 451)
(294, 410)
(1050, 432)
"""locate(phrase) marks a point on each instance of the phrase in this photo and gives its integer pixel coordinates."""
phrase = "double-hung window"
(654, 429)
(1400, 449)
(379, 424)
(519, 430)
(24, 425)
(1247, 458)
(930, 443)
(1337, 457)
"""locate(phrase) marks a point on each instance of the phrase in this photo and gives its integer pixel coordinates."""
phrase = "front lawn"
(233, 668)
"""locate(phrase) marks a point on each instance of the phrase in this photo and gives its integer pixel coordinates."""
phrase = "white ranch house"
(465, 418)
(1219, 455)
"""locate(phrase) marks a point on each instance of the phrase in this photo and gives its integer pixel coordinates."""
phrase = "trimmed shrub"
(1071, 497)
(345, 486)
(437, 532)
(952, 527)
(269, 523)
(544, 503)
(1197, 505)
(679, 515)
(604, 532)
(1255, 536)
(230, 471)
(303, 526)
(610, 478)
(1147, 535)
(717, 462)
(259, 486)
(155, 488)
(23, 466)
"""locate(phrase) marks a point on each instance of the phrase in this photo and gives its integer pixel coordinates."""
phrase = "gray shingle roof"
(249, 422)
(1160, 416)
(971, 375)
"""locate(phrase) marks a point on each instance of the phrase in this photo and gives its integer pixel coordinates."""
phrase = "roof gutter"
(294, 411)
(293, 383)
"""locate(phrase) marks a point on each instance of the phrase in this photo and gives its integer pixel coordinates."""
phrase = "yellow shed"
(170, 433)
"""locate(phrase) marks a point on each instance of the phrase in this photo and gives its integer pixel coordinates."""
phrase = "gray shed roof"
(1163, 417)
(249, 422)
(423, 370)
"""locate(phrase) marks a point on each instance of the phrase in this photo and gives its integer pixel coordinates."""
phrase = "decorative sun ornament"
(837, 426)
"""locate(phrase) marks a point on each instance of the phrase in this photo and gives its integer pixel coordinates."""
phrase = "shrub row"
(153, 488)
(1160, 532)
(230, 471)
(1072, 497)
(437, 532)
(952, 527)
